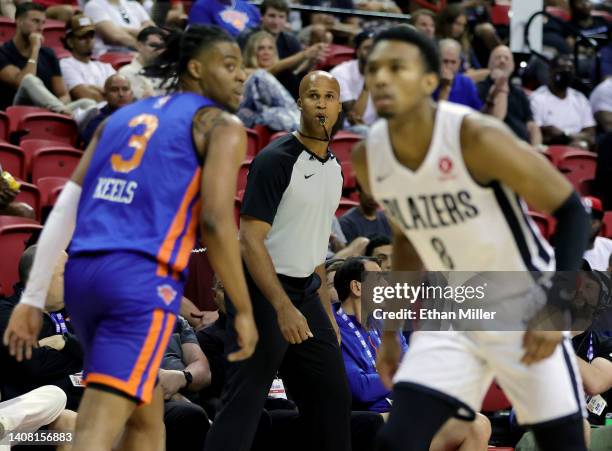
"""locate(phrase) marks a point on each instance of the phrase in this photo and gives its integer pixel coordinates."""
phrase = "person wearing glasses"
(150, 45)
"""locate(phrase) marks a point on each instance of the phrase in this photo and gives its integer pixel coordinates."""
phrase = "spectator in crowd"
(599, 249)
(601, 104)
(150, 43)
(43, 406)
(29, 73)
(234, 16)
(380, 248)
(117, 93)
(359, 347)
(454, 86)
(265, 100)
(117, 23)
(9, 188)
(424, 20)
(184, 372)
(365, 220)
(315, 34)
(83, 76)
(379, 6)
(356, 100)
(506, 101)
(59, 354)
(562, 113)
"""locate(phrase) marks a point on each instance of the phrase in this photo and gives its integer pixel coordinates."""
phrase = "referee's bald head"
(318, 78)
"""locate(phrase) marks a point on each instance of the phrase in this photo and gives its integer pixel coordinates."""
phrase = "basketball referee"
(293, 190)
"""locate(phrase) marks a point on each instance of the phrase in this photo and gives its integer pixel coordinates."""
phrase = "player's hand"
(56, 342)
(293, 324)
(388, 359)
(539, 345)
(21, 334)
(171, 381)
(247, 336)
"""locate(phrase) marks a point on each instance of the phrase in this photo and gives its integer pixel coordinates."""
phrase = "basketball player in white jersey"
(451, 179)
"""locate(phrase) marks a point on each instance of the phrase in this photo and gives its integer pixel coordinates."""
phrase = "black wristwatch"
(188, 378)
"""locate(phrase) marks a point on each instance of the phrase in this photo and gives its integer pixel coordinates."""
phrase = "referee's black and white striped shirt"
(297, 193)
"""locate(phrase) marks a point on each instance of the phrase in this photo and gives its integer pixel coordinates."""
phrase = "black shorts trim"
(557, 421)
(114, 391)
(469, 414)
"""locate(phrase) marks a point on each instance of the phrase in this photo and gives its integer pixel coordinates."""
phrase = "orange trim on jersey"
(188, 239)
(147, 388)
(177, 226)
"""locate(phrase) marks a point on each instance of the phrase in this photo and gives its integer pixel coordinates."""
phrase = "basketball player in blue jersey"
(153, 172)
(451, 180)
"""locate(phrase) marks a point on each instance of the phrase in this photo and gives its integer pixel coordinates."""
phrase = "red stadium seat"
(4, 127)
(545, 223)
(342, 145)
(604, 14)
(500, 15)
(495, 399)
(338, 54)
(17, 112)
(242, 175)
(13, 160)
(587, 187)
(555, 153)
(30, 194)
(54, 163)
(253, 144)
(53, 32)
(277, 135)
(117, 59)
(559, 13)
(264, 135)
(14, 233)
(7, 29)
(578, 165)
(350, 183)
(30, 146)
(345, 205)
(50, 189)
(607, 224)
(50, 126)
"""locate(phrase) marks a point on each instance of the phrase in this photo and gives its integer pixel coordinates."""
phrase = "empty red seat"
(253, 144)
(350, 182)
(264, 135)
(500, 15)
(559, 13)
(50, 189)
(30, 194)
(242, 175)
(54, 163)
(345, 205)
(338, 54)
(14, 233)
(277, 135)
(578, 165)
(545, 223)
(495, 399)
(586, 187)
(555, 153)
(607, 224)
(117, 59)
(16, 112)
(53, 33)
(7, 29)
(13, 160)
(342, 145)
(50, 126)
(31, 146)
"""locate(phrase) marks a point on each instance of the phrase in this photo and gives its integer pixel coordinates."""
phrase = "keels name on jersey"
(433, 210)
(115, 190)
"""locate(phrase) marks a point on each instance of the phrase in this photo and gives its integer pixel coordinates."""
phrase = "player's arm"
(596, 376)
(223, 140)
(21, 334)
(492, 153)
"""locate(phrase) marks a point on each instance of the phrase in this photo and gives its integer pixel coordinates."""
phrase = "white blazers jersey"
(453, 222)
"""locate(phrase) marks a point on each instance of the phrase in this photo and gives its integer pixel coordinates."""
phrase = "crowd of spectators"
(279, 47)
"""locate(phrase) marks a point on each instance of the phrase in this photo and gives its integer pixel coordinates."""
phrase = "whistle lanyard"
(357, 333)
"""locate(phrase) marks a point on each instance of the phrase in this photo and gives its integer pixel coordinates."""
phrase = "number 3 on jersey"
(439, 247)
(138, 142)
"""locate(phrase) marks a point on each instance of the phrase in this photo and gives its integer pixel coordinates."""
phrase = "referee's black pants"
(313, 373)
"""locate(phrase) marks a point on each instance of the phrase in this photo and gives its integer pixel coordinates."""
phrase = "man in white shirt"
(84, 78)
(601, 104)
(150, 45)
(117, 23)
(599, 248)
(563, 114)
(356, 101)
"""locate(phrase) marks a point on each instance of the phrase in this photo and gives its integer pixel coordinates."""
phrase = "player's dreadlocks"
(180, 47)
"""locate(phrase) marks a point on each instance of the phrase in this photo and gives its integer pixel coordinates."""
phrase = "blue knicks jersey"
(141, 192)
